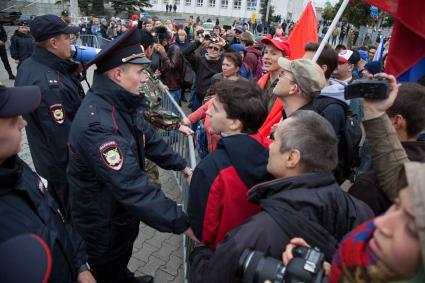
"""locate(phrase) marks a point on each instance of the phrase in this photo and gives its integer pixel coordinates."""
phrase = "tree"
(329, 12)
(97, 8)
(130, 6)
(263, 11)
(356, 13)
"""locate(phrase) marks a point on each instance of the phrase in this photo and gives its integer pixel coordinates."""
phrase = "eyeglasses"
(283, 75)
(213, 47)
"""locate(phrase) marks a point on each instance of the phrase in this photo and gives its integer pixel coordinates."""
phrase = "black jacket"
(49, 125)
(310, 206)
(3, 35)
(27, 207)
(21, 46)
(203, 67)
(109, 190)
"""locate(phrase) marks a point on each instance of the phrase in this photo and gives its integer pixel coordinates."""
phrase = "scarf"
(355, 261)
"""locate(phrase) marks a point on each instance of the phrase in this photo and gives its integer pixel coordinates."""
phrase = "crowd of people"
(276, 140)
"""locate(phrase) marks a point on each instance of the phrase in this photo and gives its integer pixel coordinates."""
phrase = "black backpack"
(349, 140)
(186, 75)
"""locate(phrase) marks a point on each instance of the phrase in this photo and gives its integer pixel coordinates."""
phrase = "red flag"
(407, 44)
(305, 31)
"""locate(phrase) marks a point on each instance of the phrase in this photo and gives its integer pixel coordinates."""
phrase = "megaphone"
(83, 53)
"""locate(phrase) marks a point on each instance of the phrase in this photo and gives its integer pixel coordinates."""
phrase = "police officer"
(110, 193)
(3, 53)
(22, 44)
(48, 127)
(25, 205)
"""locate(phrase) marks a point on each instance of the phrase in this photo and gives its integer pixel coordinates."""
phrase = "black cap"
(47, 26)
(16, 101)
(65, 13)
(23, 24)
(124, 49)
(25, 258)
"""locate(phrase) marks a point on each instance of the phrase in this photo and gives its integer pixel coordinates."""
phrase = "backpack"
(349, 141)
(246, 72)
(201, 140)
(186, 77)
(258, 73)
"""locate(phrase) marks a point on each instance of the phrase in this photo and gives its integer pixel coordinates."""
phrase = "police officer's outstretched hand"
(86, 277)
(191, 235)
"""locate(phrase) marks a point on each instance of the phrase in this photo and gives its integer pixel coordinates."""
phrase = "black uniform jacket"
(49, 125)
(27, 207)
(21, 46)
(109, 190)
(310, 206)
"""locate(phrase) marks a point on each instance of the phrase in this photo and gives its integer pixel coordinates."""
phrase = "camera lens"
(255, 267)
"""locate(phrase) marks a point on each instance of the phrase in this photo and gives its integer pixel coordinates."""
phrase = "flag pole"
(331, 29)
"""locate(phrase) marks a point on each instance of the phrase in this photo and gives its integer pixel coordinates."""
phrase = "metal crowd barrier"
(90, 40)
(185, 147)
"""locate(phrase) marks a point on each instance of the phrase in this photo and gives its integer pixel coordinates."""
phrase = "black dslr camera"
(306, 266)
(371, 89)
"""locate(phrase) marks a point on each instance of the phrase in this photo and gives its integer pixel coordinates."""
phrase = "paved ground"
(154, 253)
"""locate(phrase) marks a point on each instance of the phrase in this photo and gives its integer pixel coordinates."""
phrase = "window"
(237, 4)
(211, 3)
(251, 5)
(224, 4)
(177, 2)
(188, 2)
(154, 1)
(199, 3)
(165, 1)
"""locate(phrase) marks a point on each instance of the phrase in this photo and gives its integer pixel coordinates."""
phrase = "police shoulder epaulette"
(93, 116)
(52, 79)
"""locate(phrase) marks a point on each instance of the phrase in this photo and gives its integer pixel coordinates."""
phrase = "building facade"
(224, 8)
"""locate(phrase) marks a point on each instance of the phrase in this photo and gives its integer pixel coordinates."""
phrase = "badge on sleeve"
(58, 113)
(111, 155)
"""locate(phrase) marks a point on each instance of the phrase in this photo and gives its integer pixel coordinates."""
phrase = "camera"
(306, 266)
(83, 53)
(367, 88)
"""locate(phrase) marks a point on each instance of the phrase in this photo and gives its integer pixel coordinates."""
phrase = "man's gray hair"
(314, 137)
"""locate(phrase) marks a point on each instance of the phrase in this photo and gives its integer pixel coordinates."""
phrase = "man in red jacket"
(218, 199)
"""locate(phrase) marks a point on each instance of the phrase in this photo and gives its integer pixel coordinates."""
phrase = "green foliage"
(329, 12)
(356, 13)
(130, 6)
(263, 11)
(97, 7)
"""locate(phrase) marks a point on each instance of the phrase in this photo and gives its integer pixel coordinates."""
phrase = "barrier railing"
(185, 147)
(90, 40)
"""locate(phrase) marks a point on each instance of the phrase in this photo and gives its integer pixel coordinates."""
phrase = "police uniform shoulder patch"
(111, 155)
(58, 113)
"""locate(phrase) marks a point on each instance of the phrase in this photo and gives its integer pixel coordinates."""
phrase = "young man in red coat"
(218, 199)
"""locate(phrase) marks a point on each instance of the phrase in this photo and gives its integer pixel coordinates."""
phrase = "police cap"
(124, 49)
(48, 26)
(16, 101)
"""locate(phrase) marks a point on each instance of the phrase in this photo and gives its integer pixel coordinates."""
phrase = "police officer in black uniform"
(109, 190)
(25, 205)
(3, 53)
(48, 127)
(21, 44)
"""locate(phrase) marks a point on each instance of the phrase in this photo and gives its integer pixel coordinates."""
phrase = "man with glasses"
(299, 83)
(205, 66)
(108, 143)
